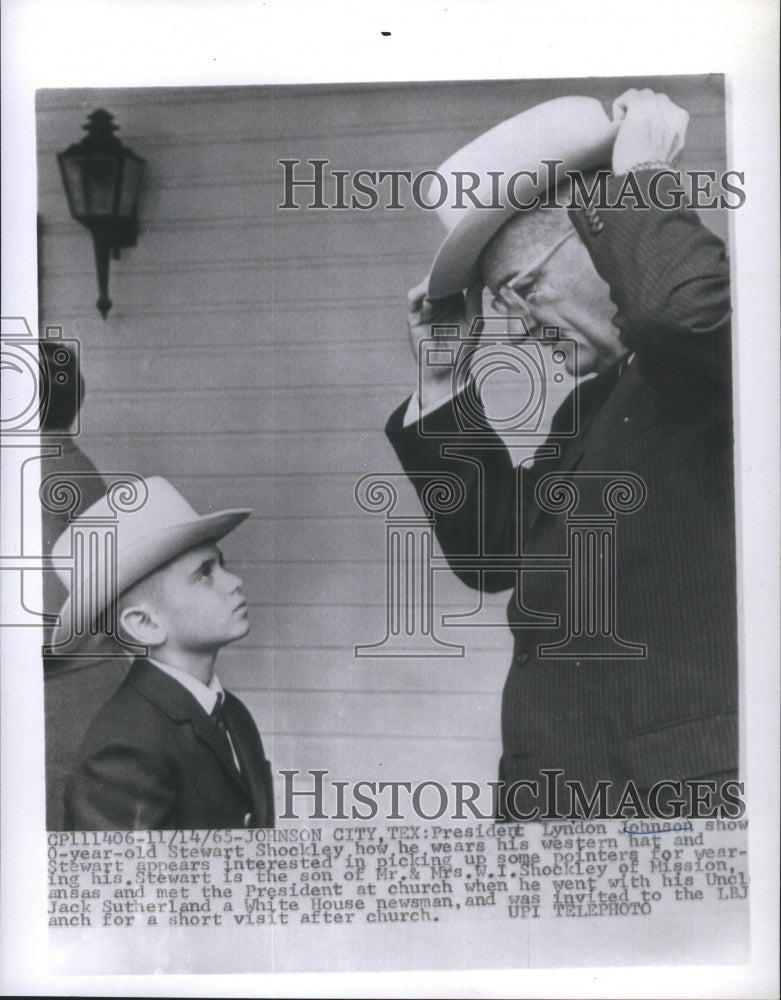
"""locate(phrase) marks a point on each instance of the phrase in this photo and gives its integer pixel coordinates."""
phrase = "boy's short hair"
(148, 589)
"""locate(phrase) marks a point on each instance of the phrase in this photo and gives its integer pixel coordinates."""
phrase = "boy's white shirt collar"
(204, 694)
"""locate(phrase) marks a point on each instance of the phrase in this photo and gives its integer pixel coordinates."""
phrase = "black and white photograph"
(390, 500)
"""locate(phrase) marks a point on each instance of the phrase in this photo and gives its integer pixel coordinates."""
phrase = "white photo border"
(200, 43)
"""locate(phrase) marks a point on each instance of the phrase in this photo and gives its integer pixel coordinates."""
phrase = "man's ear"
(142, 625)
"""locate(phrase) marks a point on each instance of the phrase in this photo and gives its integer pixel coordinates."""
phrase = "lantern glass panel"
(131, 183)
(72, 175)
(100, 173)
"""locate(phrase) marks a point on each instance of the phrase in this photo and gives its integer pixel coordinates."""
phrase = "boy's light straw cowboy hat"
(163, 527)
(573, 130)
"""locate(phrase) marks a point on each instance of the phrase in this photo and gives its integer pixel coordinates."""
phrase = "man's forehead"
(519, 243)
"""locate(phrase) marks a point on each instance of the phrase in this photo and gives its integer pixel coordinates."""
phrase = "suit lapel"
(595, 403)
(180, 706)
(596, 399)
(254, 768)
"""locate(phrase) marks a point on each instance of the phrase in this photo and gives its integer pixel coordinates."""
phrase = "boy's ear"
(142, 625)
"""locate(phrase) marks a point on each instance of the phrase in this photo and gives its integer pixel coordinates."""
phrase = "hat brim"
(575, 131)
(145, 556)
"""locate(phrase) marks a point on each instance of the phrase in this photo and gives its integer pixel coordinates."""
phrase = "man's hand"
(457, 311)
(653, 129)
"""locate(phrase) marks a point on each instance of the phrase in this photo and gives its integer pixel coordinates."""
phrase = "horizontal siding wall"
(253, 356)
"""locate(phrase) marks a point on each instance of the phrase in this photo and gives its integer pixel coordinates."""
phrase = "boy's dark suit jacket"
(665, 417)
(153, 760)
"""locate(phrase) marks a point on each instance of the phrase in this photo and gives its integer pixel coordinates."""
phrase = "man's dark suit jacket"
(665, 417)
(154, 760)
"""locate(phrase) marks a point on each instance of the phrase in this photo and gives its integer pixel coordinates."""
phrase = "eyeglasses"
(508, 300)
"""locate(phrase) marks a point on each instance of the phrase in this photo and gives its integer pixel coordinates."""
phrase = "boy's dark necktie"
(218, 720)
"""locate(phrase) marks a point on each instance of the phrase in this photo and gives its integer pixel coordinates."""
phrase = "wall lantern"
(102, 178)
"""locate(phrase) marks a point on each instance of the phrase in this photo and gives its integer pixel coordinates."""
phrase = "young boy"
(171, 749)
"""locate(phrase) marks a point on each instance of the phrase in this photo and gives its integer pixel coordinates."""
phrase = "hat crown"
(573, 131)
(565, 128)
(161, 508)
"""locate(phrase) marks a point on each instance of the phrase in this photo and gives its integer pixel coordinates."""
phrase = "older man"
(644, 296)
